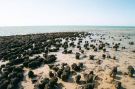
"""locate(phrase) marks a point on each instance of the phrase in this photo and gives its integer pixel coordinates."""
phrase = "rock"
(113, 72)
(64, 76)
(77, 78)
(77, 55)
(51, 74)
(118, 85)
(91, 57)
(51, 59)
(59, 73)
(31, 74)
(75, 67)
(130, 71)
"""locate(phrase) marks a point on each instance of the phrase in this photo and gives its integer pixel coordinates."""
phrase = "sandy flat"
(124, 58)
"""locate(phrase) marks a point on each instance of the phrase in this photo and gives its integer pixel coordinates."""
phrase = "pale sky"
(67, 12)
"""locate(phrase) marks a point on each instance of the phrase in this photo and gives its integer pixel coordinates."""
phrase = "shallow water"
(21, 30)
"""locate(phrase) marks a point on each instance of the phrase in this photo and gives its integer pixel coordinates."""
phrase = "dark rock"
(51, 74)
(75, 67)
(31, 74)
(113, 72)
(77, 78)
(130, 71)
(91, 57)
(77, 55)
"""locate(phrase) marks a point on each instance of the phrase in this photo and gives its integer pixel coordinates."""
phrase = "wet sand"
(124, 58)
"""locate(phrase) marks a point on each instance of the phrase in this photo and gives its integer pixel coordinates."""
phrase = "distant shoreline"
(72, 25)
(23, 30)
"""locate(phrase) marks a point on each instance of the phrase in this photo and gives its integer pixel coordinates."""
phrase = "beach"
(103, 54)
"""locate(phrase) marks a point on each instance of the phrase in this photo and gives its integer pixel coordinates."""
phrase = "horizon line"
(70, 25)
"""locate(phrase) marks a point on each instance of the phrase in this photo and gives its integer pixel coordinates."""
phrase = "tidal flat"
(68, 60)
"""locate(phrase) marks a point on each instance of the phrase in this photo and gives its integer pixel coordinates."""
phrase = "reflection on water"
(6, 31)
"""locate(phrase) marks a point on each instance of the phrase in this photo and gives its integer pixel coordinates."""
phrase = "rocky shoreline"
(66, 60)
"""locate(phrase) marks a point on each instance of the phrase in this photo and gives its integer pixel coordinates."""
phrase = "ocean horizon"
(23, 30)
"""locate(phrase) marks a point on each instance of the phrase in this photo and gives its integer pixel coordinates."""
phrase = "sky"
(67, 12)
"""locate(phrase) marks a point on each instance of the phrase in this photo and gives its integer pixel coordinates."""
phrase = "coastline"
(20, 44)
(23, 30)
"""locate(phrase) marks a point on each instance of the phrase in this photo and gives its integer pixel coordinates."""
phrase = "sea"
(23, 30)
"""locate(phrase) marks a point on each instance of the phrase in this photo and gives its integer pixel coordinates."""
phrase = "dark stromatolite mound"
(12, 46)
(31, 74)
(77, 78)
(118, 85)
(50, 59)
(91, 57)
(113, 72)
(77, 55)
(10, 77)
(130, 71)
